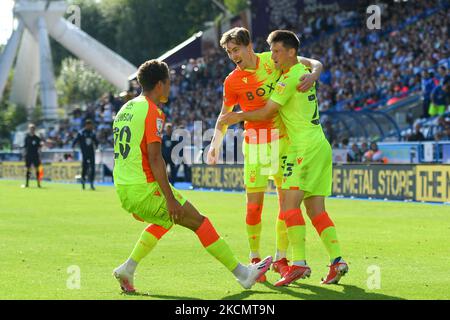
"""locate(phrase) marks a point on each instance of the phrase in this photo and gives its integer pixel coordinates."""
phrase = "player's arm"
(268, 112)
(307, 80)
(229, 101)
(284, 90)
(75, 141)
(219, 133)
(158, 166)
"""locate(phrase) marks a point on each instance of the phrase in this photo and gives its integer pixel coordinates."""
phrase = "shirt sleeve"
(285, 88)
(230, 98)
(154, 124)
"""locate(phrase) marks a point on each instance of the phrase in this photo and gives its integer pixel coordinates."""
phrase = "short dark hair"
(88, 121)
(151, 72)
(288, 38)
(238, 35)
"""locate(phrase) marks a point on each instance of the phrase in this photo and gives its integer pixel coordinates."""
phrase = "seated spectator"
(372, 100)
(440, 128)
(364, 148)
(354, 154)
(67, 157)
(446, 134)
(344, 143)
(374, 154)
(417, 135)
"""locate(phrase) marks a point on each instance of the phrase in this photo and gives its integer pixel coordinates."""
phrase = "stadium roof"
(190, 48)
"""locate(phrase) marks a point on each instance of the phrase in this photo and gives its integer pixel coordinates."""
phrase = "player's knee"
(254, 212)
(192, 219)
(255, 194)
(193, 222)
(314, 206)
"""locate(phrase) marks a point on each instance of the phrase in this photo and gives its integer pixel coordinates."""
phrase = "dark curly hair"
(151, 72)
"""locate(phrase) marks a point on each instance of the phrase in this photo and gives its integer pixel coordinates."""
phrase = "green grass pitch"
(45, 232)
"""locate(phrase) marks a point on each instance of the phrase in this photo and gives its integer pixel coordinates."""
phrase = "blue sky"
(6, 20)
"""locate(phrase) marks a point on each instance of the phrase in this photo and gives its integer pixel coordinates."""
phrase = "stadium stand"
(387, 71)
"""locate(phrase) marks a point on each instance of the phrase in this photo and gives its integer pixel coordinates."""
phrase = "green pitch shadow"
(317, 293)
(157, 296)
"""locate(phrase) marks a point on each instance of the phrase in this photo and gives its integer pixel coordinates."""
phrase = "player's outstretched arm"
(158, 166)
(268, 112)
(219, 133)
(308, 80)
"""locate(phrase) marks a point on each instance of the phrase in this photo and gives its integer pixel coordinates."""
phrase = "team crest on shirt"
(281, 86)
(159, 126)
(253, 176)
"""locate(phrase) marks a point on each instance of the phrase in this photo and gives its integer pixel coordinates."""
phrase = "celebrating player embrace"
(307, 163)
(250, 85)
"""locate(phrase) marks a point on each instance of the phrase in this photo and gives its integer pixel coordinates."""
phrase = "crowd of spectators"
(362, 68)
(101, 112)
(365, 67)
(363, 152)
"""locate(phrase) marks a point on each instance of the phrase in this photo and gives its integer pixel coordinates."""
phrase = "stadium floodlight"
(39, 20)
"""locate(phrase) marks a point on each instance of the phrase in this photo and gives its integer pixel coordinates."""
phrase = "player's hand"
(306, 82)
(229, 118)
(176, 211)
(212, 156)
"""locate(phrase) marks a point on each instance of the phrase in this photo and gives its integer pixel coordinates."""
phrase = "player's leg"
(255, 201)
(295, 224)
(36, 164)
(296, 231)
(28, 172)
(84, 168)
(255, 180)
(147, 241)
(219, 249)
(320, 187)
(282, 242)
(144, 203)
(315, 207)
(92, 171)
(147, 203)
(292, 195)
(280, 264)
